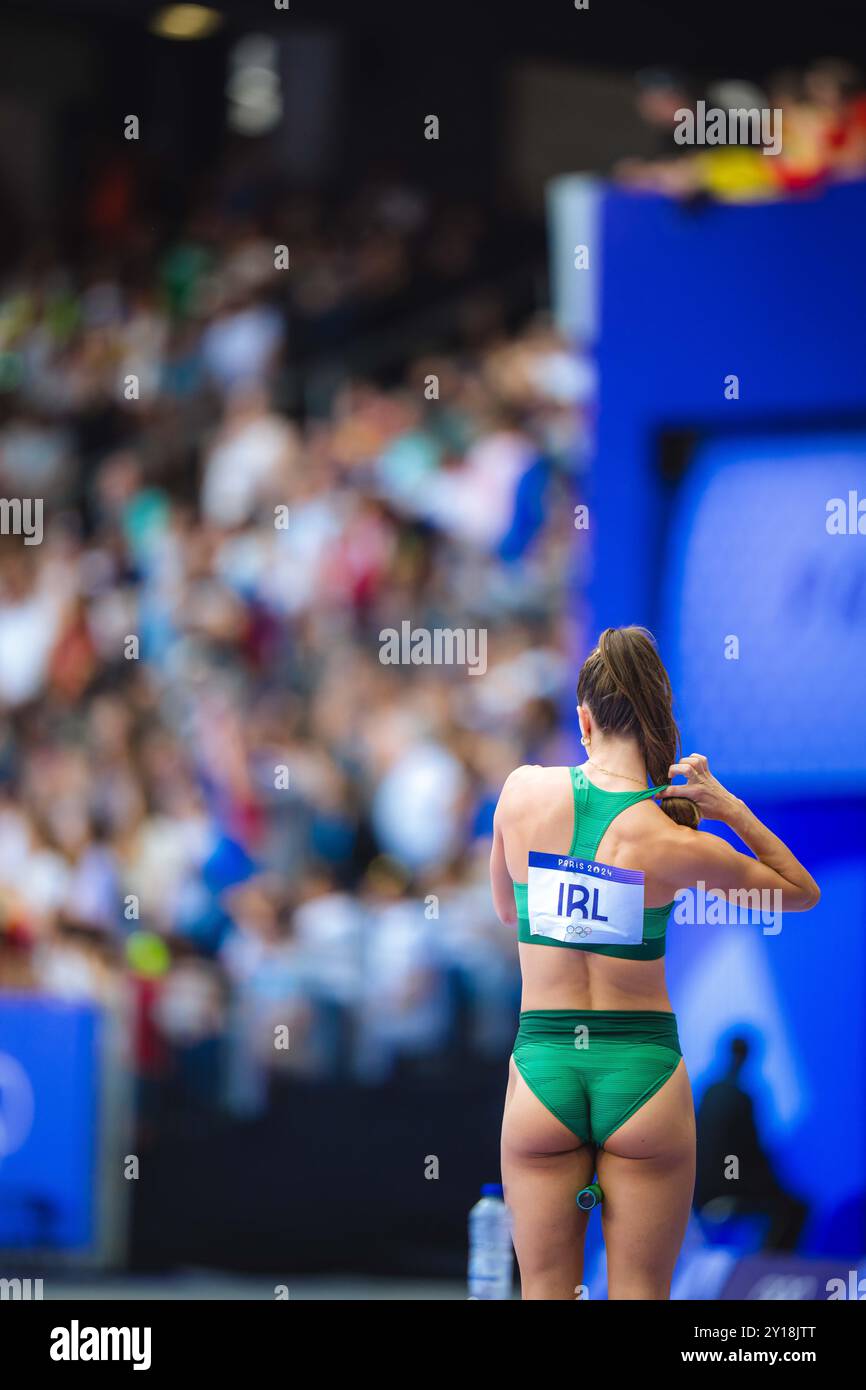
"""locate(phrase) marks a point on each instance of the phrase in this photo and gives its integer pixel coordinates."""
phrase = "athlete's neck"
(618, 757)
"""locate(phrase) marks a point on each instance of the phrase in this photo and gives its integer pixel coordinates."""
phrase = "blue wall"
(773, 293)
(49, 1123)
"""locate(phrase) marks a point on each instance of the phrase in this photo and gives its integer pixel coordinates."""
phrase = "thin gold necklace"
(622, 775)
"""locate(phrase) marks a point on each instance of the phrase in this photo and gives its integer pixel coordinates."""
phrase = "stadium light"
(185, 22)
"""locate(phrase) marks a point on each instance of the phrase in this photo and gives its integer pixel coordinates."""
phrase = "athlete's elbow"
(814, 897)
(802, 899)
(507, 915)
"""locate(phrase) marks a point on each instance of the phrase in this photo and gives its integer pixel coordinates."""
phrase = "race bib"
(582, 903)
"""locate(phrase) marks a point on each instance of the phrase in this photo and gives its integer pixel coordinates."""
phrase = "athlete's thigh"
(647, 1173)
(544, 1166)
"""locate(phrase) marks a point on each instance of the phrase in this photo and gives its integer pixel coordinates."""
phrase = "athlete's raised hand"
(713, 800)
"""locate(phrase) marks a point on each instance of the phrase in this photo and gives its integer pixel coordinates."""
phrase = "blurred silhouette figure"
(727, 1129)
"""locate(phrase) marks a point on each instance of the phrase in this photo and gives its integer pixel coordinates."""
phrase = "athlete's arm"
(692, 855)
(500, 881)
(501, 885)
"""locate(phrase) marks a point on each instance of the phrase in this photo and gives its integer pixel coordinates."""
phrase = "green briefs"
(593, 1068)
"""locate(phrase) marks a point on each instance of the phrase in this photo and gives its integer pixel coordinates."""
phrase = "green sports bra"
(594, 809)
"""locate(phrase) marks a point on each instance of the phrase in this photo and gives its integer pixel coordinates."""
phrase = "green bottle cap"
(590, 1197)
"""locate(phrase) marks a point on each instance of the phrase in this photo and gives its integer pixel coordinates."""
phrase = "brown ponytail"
(628, 691)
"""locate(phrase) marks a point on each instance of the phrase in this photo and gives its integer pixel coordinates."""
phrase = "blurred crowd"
(263, 435)
(821, 131)
(221, 812)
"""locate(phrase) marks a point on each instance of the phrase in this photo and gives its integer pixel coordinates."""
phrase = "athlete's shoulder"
(532, 772)
(522, 784)
(522, 773)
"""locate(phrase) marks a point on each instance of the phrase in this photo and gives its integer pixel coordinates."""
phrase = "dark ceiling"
(735, 37)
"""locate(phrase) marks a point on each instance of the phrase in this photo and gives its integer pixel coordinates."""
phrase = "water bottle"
(491, 1257)
(590, 1197)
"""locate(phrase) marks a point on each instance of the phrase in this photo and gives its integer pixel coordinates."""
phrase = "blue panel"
(775, 294)
(764, 616)
(49, 1096)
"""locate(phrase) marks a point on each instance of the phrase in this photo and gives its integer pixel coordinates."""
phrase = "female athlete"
(586, 862)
